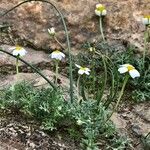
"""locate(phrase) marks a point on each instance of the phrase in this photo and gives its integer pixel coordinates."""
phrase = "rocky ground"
(16, 134)
(134, 122)
(27, 26)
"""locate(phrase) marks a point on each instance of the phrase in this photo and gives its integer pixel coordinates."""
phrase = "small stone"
(137, 130)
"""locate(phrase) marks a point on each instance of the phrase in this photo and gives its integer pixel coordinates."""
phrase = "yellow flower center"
(18, 48)
(82, 68)
(56, 52)
(147, 16)
(100, 8)
(130, 67)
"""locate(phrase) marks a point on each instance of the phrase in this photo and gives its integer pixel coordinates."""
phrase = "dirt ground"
(18, 134)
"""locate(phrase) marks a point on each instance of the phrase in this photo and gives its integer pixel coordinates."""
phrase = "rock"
(140, 129)
(137, 130)
(32, 57)
(119, 123)
(31, 21)
(33, 78)
(129, 121)
(143, 111)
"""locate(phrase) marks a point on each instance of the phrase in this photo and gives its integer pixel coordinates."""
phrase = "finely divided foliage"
(89, 108)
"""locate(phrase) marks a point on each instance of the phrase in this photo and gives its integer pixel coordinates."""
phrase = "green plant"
(140, 88)
(91, 117)
(146, 141)
(119, 143)
(84, 121)
(45, 105)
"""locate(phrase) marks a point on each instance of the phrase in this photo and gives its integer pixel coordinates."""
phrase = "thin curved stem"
(101, 28)
(17, 65)
(78, 88)
(55, 38)
(122, 91)
(145, 49)
(67, 38)
(120, 96)
(36, 70)
(105, 77)
(56, 71)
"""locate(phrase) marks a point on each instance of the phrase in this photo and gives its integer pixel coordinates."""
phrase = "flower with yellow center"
(83, 70)
(129, 68)
(100, 10)
(51, 31)
(57, 55)
(146, 20)
(18, 51)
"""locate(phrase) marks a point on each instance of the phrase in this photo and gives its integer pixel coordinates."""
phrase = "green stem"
(55, 38)
(56, 71)
(78, 88)
(17, 64)
(101, 28)
(145, 49)
(120, 96)
(122, 91)
(93, 74)
(105, 77)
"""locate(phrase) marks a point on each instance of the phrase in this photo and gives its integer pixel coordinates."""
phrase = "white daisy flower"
(146, 20)
(129, 68)
(83, 70)
(18, 50)
(51, 31)
(57, 55)
(100, 10)
(79, 122)
(91, 49)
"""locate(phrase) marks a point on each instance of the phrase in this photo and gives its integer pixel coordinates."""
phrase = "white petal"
(12, 48)
(125, 65)
(59, 57)
(104, 12)
(122, 70)
(15, 53)
(51, 31)
(87, 69)
(56, 56)
(86, 72)
(77, 66)
(99, 5)
(22, 52)
(81, 71)
(52, 55)
(62, 54)
(134, 73)
(145, 21)
(98, 13)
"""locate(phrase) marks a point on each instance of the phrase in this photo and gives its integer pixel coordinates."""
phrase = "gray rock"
(31, 21)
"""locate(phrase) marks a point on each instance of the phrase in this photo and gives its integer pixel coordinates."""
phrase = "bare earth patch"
(15, 134)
